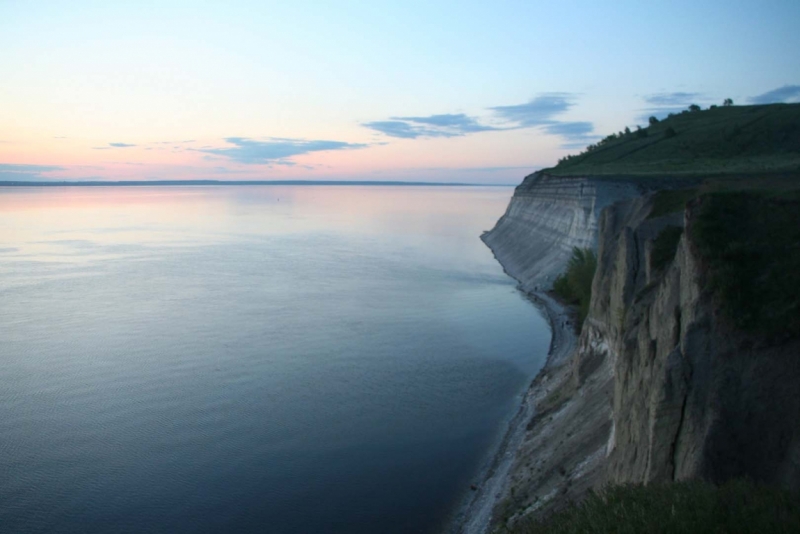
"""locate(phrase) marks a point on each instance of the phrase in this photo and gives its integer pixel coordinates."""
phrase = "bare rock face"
(563, 450)
(546, 218)
(692, 397)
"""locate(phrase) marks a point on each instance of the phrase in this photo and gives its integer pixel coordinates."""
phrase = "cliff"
(546, 218)
(662, 385)
(694, 395)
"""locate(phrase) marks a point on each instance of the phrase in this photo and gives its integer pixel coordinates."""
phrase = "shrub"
(669, 201)
(575, 284)
(750, 245)
(665, 246)
(669, 132)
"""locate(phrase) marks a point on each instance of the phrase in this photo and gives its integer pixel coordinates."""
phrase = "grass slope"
(721, 140)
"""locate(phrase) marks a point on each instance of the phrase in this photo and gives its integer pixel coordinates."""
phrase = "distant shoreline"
(159, 183)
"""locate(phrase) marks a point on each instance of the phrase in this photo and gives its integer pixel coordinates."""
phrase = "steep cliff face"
(546, 218)
(660, 387)
(562, 452)
(692, 397)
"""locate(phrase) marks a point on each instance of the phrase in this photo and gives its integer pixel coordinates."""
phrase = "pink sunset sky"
(468, 91)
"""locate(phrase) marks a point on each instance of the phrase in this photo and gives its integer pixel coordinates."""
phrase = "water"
(253, 359)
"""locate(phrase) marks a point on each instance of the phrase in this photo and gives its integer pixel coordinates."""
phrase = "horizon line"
(140, 183)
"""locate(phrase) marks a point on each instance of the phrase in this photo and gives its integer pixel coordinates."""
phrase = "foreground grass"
(738, 506)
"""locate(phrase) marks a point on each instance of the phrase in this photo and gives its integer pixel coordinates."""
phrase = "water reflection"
(307, 358)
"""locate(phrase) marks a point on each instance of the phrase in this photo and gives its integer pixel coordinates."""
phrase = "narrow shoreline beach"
(475, 515)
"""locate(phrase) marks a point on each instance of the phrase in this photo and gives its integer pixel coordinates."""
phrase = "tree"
(652, 120)
(669, 132)
(640, 132)
(694, 107)
(727, 102)
(627, 131)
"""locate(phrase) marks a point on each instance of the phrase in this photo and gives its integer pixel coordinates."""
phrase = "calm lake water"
(301, 359)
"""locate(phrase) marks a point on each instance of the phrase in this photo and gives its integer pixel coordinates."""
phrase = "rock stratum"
(659, 387)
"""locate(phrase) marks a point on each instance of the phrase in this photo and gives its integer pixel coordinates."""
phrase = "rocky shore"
(495, 485)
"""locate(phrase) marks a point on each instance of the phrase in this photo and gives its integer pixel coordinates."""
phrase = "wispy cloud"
(539, 111)
(543, 112)
(275, 150)
(22, 172)
(787, 93)
(399, 129)
(672, 99)
(576, 134)
(114, 145)
(445, 125)
(660, 105)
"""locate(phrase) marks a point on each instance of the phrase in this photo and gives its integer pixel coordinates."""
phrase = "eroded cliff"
(546, 218)
(661, 386)
(693, 396)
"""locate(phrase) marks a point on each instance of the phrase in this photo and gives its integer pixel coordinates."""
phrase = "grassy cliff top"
(725, 140)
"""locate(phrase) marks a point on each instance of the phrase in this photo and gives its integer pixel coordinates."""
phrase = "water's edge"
(474, 516)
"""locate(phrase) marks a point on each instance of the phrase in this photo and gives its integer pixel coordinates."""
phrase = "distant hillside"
(722, 140)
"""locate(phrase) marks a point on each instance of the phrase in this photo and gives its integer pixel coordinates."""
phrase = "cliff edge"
(688, 361)
(662, 385)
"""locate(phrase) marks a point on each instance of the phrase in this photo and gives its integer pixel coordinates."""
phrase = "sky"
(464, 91)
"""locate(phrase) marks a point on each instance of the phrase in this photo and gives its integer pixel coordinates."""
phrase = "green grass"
(749, 242)
(670, 201)
(665, 246)
(575, 284)
(723, 140)
(736, 507)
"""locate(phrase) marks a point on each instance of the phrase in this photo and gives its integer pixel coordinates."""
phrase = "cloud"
(276, 150)
(662, 104)
(400, 129)
(539, 111)
(25, 173)
(113, 145)
(787, 93)
(672, 99)
(570, 129)
(542, 112)
(576, 134)
(446, 125)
